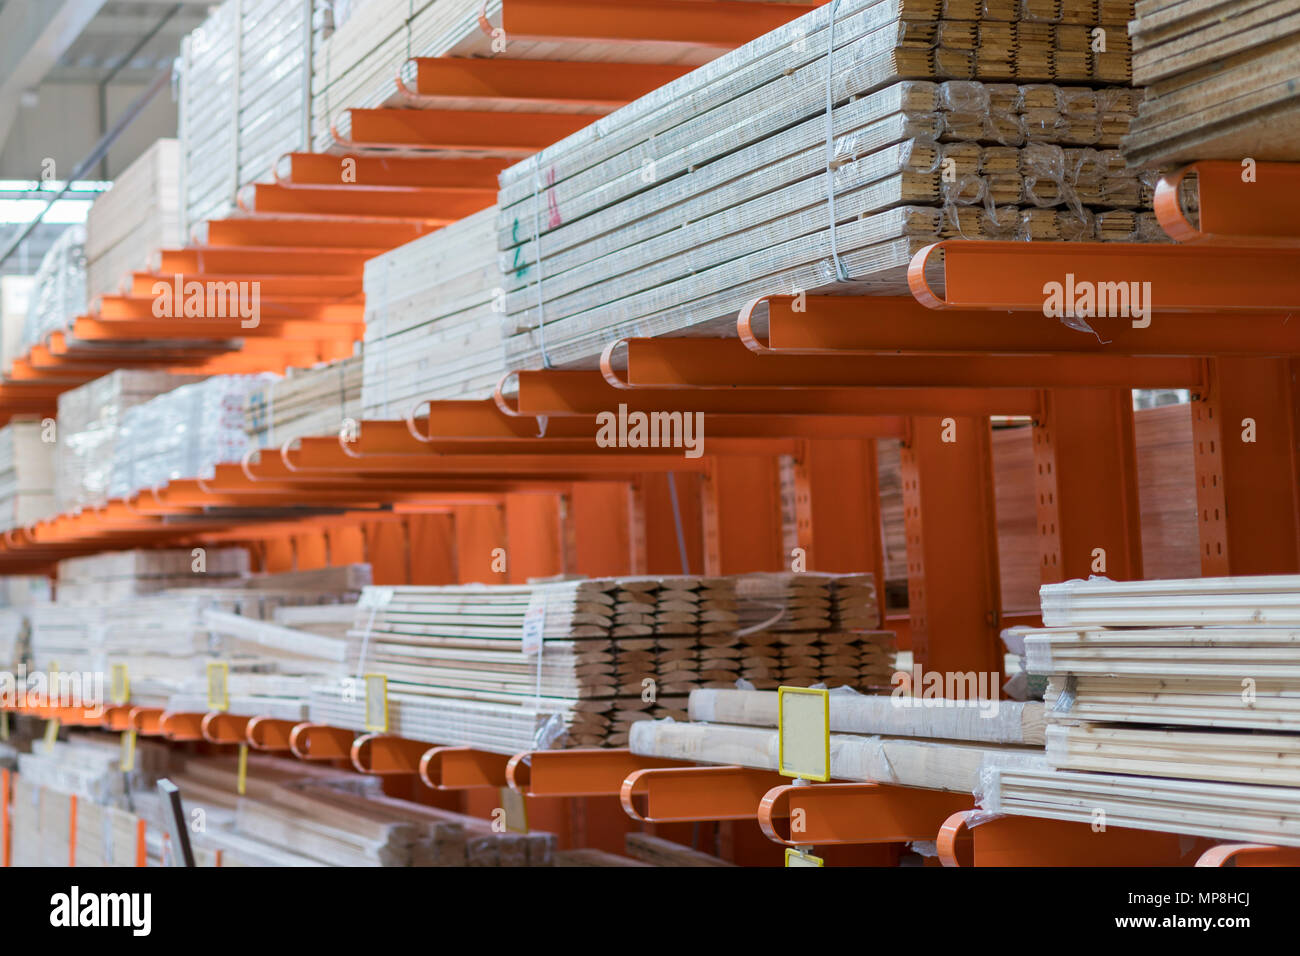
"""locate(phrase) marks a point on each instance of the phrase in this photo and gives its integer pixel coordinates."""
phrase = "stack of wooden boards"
(315, 401)
(1172, 705)
(114, 575)
(291, 814)
(58, 292)
(939, 744)
(577, 663)
(434, 312)
(358, 64)
(183, 433)
(26, 474)
(1221, 80)
(244, 94)
(166, 640)
(134, 219)
(673, 211)
(295, 814)
(90, 421)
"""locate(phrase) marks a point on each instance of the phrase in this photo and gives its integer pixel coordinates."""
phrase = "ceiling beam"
(34, 34)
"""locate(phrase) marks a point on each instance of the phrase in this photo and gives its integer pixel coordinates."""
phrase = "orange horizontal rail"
(838, 813)
(269, 734)
(334, 288)
(321, 742)
(576, 773)
(462, 768)
(252, 262)
(311, 231)
(667, 363)
(437, 205)
(594, 84)
(1234, 203)
(147, 720)
(218, 727)
(886, 325)
(979, 274)
(328, 169)
(676, 794)
(181, 726)
(587, 393)
(488, 131)
(694, 22)
(384, 755)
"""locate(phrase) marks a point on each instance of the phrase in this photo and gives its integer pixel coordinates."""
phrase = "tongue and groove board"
(1192, 602)
(316, 401)
(1260, 814)
(673, 211)
(26, 475)
(613, 652)
(1225, 756)
(1220, 77)
(433, 319)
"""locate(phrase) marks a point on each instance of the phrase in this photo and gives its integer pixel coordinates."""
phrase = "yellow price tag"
(795, 857)
(376, 718)
(242, 780)
(804, 732)
(128, 751)
(218, 685)
(51, 732)
(119, 685)
(515, 810)
(4, 725)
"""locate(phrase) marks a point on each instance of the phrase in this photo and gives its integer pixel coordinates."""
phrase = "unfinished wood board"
(909, 763)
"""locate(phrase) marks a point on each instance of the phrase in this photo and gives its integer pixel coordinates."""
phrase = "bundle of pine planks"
(26, 474)
(90, 419)
(138, 216)
(938, 744)
(1171, 705)
(244, 98)
(1220, 78)
(578, 663)
(821, 156)
(114, 575)
(433, 319)
(316, 401)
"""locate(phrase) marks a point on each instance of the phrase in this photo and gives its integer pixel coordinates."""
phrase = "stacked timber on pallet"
(578, 663)
(183, 433)
(316, 401)
(293, 814)
(1220, 76)
(26, 474)
(167, 640)
(58, 292)
(90, 424)
(433, 319)
(357, 65)
(660, 852)
(115, 575)
(244, 92)
(936, 743)
(675, 210)
(13, 637)
(134, 219)
(1171, 705)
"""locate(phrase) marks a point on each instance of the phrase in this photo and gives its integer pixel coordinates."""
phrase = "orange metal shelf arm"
(462, 768)
(269, 734)
(836, 813)
(321, 742)
(222, 728)
(594, 772)
(1250, 854)
(677, 794)
(383, 755)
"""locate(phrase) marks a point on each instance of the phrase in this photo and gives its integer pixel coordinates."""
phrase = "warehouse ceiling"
(68, 70)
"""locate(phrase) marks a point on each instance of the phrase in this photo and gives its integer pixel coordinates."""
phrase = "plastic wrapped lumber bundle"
(675, 210)
(316, 401)
(183, 433)
(432, 330)
(114, 575)
(26, 474)
(1221, 80)
(128, 224)
(59, 293)
(90, 421)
